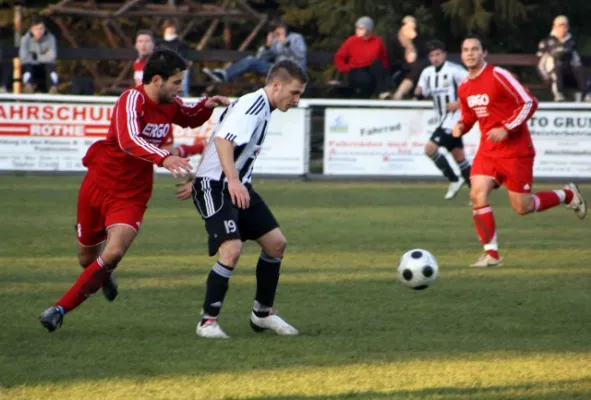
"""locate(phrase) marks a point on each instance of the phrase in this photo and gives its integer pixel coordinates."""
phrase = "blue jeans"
(247, 64)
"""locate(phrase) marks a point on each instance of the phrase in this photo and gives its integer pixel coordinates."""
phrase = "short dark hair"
(37, 21)
(163, 62)
(277, 24)
(433, 45)
(145, 32)
(286, 70)
(476, 36)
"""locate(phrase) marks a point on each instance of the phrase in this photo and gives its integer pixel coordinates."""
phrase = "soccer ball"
(418, 269)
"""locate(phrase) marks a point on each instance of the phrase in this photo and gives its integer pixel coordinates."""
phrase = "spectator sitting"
(403, 55)
(560, 63)
(280, 45)
(38, 52)
(144, 44)
(171, 41)
(363, 56)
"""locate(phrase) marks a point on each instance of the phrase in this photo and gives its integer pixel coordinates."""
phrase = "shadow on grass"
(559, 390)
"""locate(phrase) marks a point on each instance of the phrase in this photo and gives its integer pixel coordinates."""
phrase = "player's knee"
(85, 260)
(277, 248)
(521, 208)
(111, 257)
(229, 252)
(478, 197)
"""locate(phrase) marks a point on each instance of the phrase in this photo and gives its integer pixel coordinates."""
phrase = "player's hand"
(179, 167)
(239, 194)
(185, 190)
(458, 130)
(497, 134)
(452, 106)
(216, 101)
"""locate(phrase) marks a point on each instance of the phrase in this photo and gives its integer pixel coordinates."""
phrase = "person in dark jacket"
(363, 56)
(38, 52)
(560, 63)
(170, 39)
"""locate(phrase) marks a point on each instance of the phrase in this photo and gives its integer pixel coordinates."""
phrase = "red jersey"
(122, 163)
(496, 99)
(138, 71)
(357, 52)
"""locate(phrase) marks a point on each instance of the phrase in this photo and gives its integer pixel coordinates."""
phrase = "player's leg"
(459, 156)
(119, 238)
(484, 180)
(86, 255)
(440, 161)
(214, 204)
(520, 181)
(258, 223)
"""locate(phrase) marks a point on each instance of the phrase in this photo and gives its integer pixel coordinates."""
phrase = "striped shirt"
(441, 84)
(244, 123)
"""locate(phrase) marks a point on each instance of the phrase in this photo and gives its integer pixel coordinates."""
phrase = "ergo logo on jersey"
(157, 131)
(478, 100)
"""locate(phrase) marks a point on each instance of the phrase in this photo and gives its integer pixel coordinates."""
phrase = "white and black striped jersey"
(442, 85)
(244, 123)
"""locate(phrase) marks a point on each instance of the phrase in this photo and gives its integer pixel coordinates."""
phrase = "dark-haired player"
(117, 187)
(440, 81)
(501, 105)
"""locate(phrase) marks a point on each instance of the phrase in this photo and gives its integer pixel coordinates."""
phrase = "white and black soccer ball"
(418, 269)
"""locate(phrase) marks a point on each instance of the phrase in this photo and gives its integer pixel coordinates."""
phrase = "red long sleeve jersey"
(122, 164)
(496, 99)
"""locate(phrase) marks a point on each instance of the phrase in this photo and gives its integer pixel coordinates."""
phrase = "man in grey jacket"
(280, 45)
(38, 52)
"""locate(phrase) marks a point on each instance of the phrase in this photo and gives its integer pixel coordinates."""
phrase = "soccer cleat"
(211, 329)
(486, 260)
(454, 188)
(578, 203)
(272, 322)
(52, 318)
(110, 288)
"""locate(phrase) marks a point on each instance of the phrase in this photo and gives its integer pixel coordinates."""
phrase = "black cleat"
(52, 318)
(110, 288)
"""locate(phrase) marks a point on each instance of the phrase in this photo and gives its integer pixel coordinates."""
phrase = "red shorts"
(98, 211)
(515, 173)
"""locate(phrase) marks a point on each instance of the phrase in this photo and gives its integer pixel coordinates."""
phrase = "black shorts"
(444, 139)
(223, 220)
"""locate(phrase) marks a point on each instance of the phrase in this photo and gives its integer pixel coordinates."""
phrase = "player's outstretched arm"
(467, 119)
(128, 110)
(198, 114)
(238, 191)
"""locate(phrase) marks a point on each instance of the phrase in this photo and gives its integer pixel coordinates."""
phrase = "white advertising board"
(382, 141)
(55, 136)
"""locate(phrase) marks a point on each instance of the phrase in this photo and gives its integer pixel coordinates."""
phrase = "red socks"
(546, 200)
(90, 280)
(484, 221)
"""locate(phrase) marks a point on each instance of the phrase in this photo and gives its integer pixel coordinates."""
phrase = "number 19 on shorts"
(230, 226)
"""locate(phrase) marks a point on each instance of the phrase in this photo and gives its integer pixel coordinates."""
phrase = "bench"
(317, 61)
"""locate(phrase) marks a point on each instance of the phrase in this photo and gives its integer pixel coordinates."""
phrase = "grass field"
(517, 332)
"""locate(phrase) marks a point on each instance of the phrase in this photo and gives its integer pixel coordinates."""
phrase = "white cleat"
(454, 188)
(272, 322)
(211, 330)
(486, 260)
(578, 203)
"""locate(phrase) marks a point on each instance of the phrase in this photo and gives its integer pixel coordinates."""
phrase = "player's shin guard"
(546, 200)
(267, 280)
(216, 288)
(89, 281)
(441, 162)
(465, 169)
(484, 221)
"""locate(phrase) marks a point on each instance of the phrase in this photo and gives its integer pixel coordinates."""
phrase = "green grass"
(517, 332)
